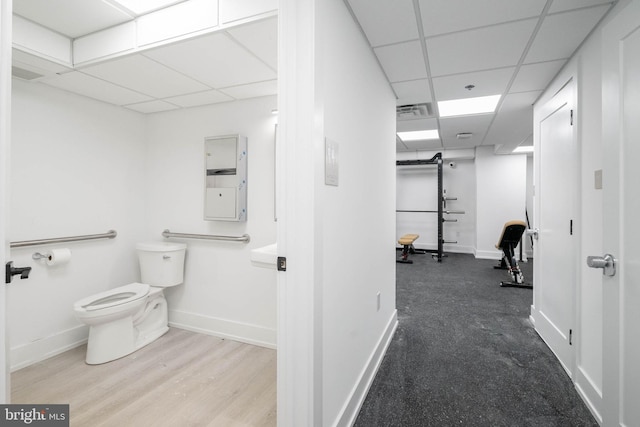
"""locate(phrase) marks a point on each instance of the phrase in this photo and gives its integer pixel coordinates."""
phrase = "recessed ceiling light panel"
(419, 135)
(468, 106)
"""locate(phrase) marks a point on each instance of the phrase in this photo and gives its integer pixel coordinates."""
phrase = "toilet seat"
(113, 297)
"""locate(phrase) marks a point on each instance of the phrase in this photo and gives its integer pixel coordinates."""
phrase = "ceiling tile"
(146, 76)
(386, 22)
(200, 98)
(403, 61)
(476, 125)
(440, 17)
(400, 146)
(73, 18)
(36, 64)
(93, 87)
(139, 7)
(152, 107)
(433, 144)
(215, 60)
(482, 49)
(536, 76)
(553, 41)
(252, 90)
(514, 121)
(412, 92)
(562, 5)
(261, 38)
(490, 82)
(418, 124)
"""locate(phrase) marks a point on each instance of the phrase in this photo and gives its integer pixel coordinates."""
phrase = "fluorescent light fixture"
(419, 135)
(468, 106)
(526, 149)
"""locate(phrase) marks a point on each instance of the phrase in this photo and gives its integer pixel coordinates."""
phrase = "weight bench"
(407, 247)
(509, 239)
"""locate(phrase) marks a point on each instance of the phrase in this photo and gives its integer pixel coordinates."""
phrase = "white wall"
(77, 167)
(332, 335)
(358, 216)
(501, 191)
(223, 294)
(417, 189)
(83, 167)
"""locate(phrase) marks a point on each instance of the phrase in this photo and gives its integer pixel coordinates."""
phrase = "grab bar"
(108, 235)
(244, 238)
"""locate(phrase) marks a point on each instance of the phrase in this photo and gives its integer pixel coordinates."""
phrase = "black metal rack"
(442, 199)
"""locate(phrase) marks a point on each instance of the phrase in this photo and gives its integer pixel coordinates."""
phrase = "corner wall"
(223, 293)
(501, 189)
(359, 116)
(80, 166)
(77, 167)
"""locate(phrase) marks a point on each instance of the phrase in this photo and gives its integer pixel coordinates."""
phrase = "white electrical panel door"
(225, 178)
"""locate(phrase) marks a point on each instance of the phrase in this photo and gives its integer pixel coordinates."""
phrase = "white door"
(554, 275)
(621, 178)
(5, 121)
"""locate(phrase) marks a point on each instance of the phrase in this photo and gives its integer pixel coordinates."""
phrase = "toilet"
(125, 319)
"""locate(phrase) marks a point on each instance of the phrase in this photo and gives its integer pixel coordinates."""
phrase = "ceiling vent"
(414, 111)
(23, 74)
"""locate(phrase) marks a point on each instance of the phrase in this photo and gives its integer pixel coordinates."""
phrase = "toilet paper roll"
(58, 256)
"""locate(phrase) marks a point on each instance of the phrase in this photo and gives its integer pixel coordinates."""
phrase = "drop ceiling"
(430, 50)
(222, 65)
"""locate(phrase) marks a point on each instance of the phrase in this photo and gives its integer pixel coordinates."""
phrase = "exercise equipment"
(407, 248)
(442, 200)
(509, 239)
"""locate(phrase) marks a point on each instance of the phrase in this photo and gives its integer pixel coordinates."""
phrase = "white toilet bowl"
(125, 319)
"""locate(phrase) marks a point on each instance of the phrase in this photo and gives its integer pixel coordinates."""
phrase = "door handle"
(10, 271)
(533, 233)
(607, 263)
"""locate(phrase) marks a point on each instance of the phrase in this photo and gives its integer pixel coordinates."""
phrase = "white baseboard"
(223, 328)
(351, 408)
(589, 392)
(495, 255)
(36, 351)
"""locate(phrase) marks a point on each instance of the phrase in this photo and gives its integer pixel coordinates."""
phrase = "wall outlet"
(378, 301)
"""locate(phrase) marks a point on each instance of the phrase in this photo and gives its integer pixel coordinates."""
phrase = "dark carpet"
(465, 354)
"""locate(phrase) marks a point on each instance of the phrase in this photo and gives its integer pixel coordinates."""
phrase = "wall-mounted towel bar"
(244, 238)
(108, 235)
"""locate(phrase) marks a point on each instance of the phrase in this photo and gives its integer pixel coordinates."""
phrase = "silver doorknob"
(532, 232)
(607, 263)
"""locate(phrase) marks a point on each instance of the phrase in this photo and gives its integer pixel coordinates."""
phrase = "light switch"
(598, 179)
(331, 164)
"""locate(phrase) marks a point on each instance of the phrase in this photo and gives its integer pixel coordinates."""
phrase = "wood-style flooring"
(181, 379)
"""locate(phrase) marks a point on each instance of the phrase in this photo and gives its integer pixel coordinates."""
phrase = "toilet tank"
(161, 263)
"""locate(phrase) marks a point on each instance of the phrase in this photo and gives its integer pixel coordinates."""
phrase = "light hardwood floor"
(181, 379)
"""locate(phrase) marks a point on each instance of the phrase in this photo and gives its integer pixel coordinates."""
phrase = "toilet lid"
(113, 297)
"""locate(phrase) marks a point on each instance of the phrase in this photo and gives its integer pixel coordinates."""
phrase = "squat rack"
(435, 160)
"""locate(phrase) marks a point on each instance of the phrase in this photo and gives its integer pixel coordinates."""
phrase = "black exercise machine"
(511, 235)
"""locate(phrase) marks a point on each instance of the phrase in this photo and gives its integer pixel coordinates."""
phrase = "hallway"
(466, 354)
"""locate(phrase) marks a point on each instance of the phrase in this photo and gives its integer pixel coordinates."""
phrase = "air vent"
(414, 111)
(23, 74)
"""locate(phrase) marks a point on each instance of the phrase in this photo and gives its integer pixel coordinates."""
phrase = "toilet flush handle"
(166, 257)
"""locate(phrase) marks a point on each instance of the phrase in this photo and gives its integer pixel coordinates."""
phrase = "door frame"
(5, 136)
(623, 24)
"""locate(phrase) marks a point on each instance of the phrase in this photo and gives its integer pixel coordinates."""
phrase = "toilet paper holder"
(37, 256)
